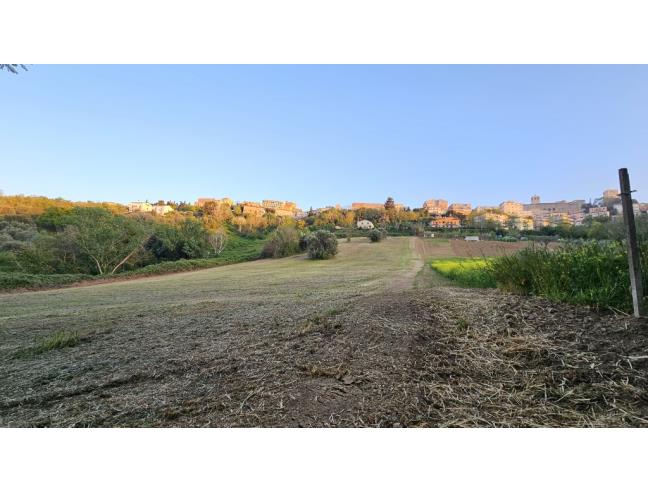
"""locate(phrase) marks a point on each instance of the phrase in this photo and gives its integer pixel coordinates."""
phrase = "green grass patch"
(466, 272)
(57, 340)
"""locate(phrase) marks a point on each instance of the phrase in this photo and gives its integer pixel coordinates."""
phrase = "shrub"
(282, 242)
(592, 273)
(18, 280)
(376, 235)
(321, 245)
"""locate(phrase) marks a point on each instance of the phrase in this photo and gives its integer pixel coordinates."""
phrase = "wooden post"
(633, 251)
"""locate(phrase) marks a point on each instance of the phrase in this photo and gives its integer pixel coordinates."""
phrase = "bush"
(285, 241)
(321, 245)
(592, 273)
(17, 280)
(376, 235)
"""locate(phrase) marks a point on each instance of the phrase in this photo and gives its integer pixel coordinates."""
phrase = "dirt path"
(405, 280)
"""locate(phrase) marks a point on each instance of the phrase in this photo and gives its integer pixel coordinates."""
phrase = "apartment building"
(488, 218)
(522, 223)
(577, 218)
(511, 208)
(435, 206)
(598, 212)
(460, 208)
(445, 223)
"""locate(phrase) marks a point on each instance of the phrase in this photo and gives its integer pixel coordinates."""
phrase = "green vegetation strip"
(593, 273)
(466, 272)
(238, 250)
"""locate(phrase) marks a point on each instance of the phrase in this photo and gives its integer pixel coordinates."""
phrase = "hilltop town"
(436, 213)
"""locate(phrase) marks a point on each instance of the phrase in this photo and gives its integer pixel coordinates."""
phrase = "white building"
(140, 207)
(364, 224)
(598, 212)
(162, 209)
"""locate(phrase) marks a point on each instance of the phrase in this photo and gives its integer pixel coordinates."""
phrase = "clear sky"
(322, 135)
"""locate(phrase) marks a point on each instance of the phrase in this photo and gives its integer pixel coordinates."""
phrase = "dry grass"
(341, 342)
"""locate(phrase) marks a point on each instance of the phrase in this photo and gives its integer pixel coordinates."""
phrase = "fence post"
(633, 251)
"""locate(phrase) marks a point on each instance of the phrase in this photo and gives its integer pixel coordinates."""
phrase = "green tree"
(110, 241)
(321, 245)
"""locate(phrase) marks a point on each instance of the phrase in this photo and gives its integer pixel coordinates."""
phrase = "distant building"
(598, 212)
(487, 208)
(636, 209)
(611, 193)
(373, 206)
(511, 208)
(445, 223)
(252, 208)
(218, 201)
(460, 208)
(435, 206)
(541, 211)
(283, 212)
(522, 223)
(140, 207)
(487, 218)
(162, 209)
(272, 204)
(364, 224)
(280, 208)
(577, 218)
(535, 199)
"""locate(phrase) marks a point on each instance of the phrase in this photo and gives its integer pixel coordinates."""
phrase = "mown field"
(370, 338)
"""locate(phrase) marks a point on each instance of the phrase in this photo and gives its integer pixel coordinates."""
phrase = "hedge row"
(243, 252)
(18, 280)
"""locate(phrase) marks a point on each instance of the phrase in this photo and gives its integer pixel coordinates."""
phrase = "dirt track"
(298, 343)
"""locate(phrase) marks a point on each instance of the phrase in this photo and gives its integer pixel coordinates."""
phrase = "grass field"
(294, 342)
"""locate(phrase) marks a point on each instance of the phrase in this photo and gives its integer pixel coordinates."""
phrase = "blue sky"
(322, 135)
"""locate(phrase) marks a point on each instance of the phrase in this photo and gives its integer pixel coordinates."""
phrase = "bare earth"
(370, 338)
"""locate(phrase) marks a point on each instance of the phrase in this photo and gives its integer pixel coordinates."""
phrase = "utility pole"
(633, 251)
